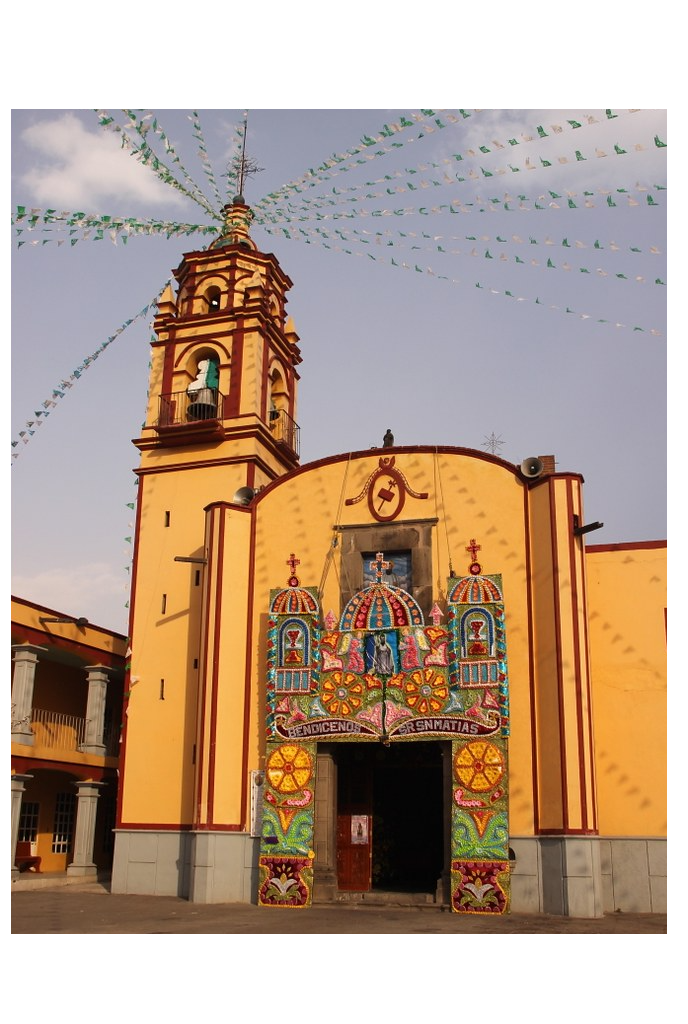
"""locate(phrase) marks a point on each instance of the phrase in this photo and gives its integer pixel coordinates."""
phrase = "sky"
(509, 295)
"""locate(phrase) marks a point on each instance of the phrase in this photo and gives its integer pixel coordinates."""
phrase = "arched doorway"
(390, 816)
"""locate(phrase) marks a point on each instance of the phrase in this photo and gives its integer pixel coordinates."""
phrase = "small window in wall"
(28, 822)
(63, 827)
(213, 297)
(395, 568)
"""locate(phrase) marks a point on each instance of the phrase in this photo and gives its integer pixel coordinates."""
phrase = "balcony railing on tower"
(285, 430)
(206, 407)
(183, 408)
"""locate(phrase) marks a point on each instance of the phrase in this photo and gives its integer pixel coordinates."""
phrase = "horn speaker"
(532, 467)
(244, 496)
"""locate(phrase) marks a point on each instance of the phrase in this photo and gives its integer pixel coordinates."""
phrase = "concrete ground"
(88, 908)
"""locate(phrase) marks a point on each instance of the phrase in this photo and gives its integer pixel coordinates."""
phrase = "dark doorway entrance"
(390, 832)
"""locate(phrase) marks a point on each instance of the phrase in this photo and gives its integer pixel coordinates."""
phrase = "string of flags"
(383, 239)
(493, 204)
(203, 156)
(277, 214)
(338, 163)
(132, 504)
(60, 390)
(363, 152)
(150, 123)
(301, 219)
(79, 226)
(145, 155)
(506, 293)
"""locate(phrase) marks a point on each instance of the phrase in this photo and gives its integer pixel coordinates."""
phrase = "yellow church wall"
(471, 497)
(627, 605)
(232, 463)
(252, 377)
(545, 660)
(572, 663)
(165, 644)
(225, 714)
(155, 389)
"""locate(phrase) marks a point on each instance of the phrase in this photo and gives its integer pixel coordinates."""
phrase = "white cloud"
(85, 170)
(97, 591)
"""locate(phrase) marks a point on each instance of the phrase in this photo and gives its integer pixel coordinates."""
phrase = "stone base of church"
(203, 867)
(588, 876)
(569, 876)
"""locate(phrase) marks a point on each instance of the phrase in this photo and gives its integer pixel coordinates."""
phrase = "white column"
(25, 661)
(95, 711)
(86, 810)
(18, 786)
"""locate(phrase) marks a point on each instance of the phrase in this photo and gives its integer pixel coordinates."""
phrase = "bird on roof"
(388, 439)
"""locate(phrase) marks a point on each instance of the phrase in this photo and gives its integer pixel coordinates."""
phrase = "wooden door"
(354, 828)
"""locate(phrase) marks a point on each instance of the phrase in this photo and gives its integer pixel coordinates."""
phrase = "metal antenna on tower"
(245, 166)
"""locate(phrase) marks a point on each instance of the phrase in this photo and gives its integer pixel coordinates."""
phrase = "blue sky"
(447, 310)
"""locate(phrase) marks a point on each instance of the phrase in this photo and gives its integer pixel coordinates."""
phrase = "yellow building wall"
(471, 498)
(627, 604)
(166, 643)
(48, 785)
(252, 379)
(161, 706)
(225, 677)
(545, 661)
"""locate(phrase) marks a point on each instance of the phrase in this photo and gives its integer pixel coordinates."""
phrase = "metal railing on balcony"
(56, 731)
(206, 405)
(183, 408)
(285, 430)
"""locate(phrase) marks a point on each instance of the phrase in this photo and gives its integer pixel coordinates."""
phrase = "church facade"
(393, 670)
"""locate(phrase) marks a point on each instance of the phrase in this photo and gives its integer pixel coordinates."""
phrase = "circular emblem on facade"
(479, 766)
(386, 494)
(289, 768)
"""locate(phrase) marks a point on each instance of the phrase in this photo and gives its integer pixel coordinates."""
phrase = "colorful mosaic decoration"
(286, 855)
(381, 674)
(479, 828)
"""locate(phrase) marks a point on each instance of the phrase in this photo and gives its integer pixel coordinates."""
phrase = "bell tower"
(223, 379)
(220, 425)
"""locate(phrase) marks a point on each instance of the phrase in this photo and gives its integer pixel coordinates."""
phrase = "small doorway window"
(28, 822)
(63, 827)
